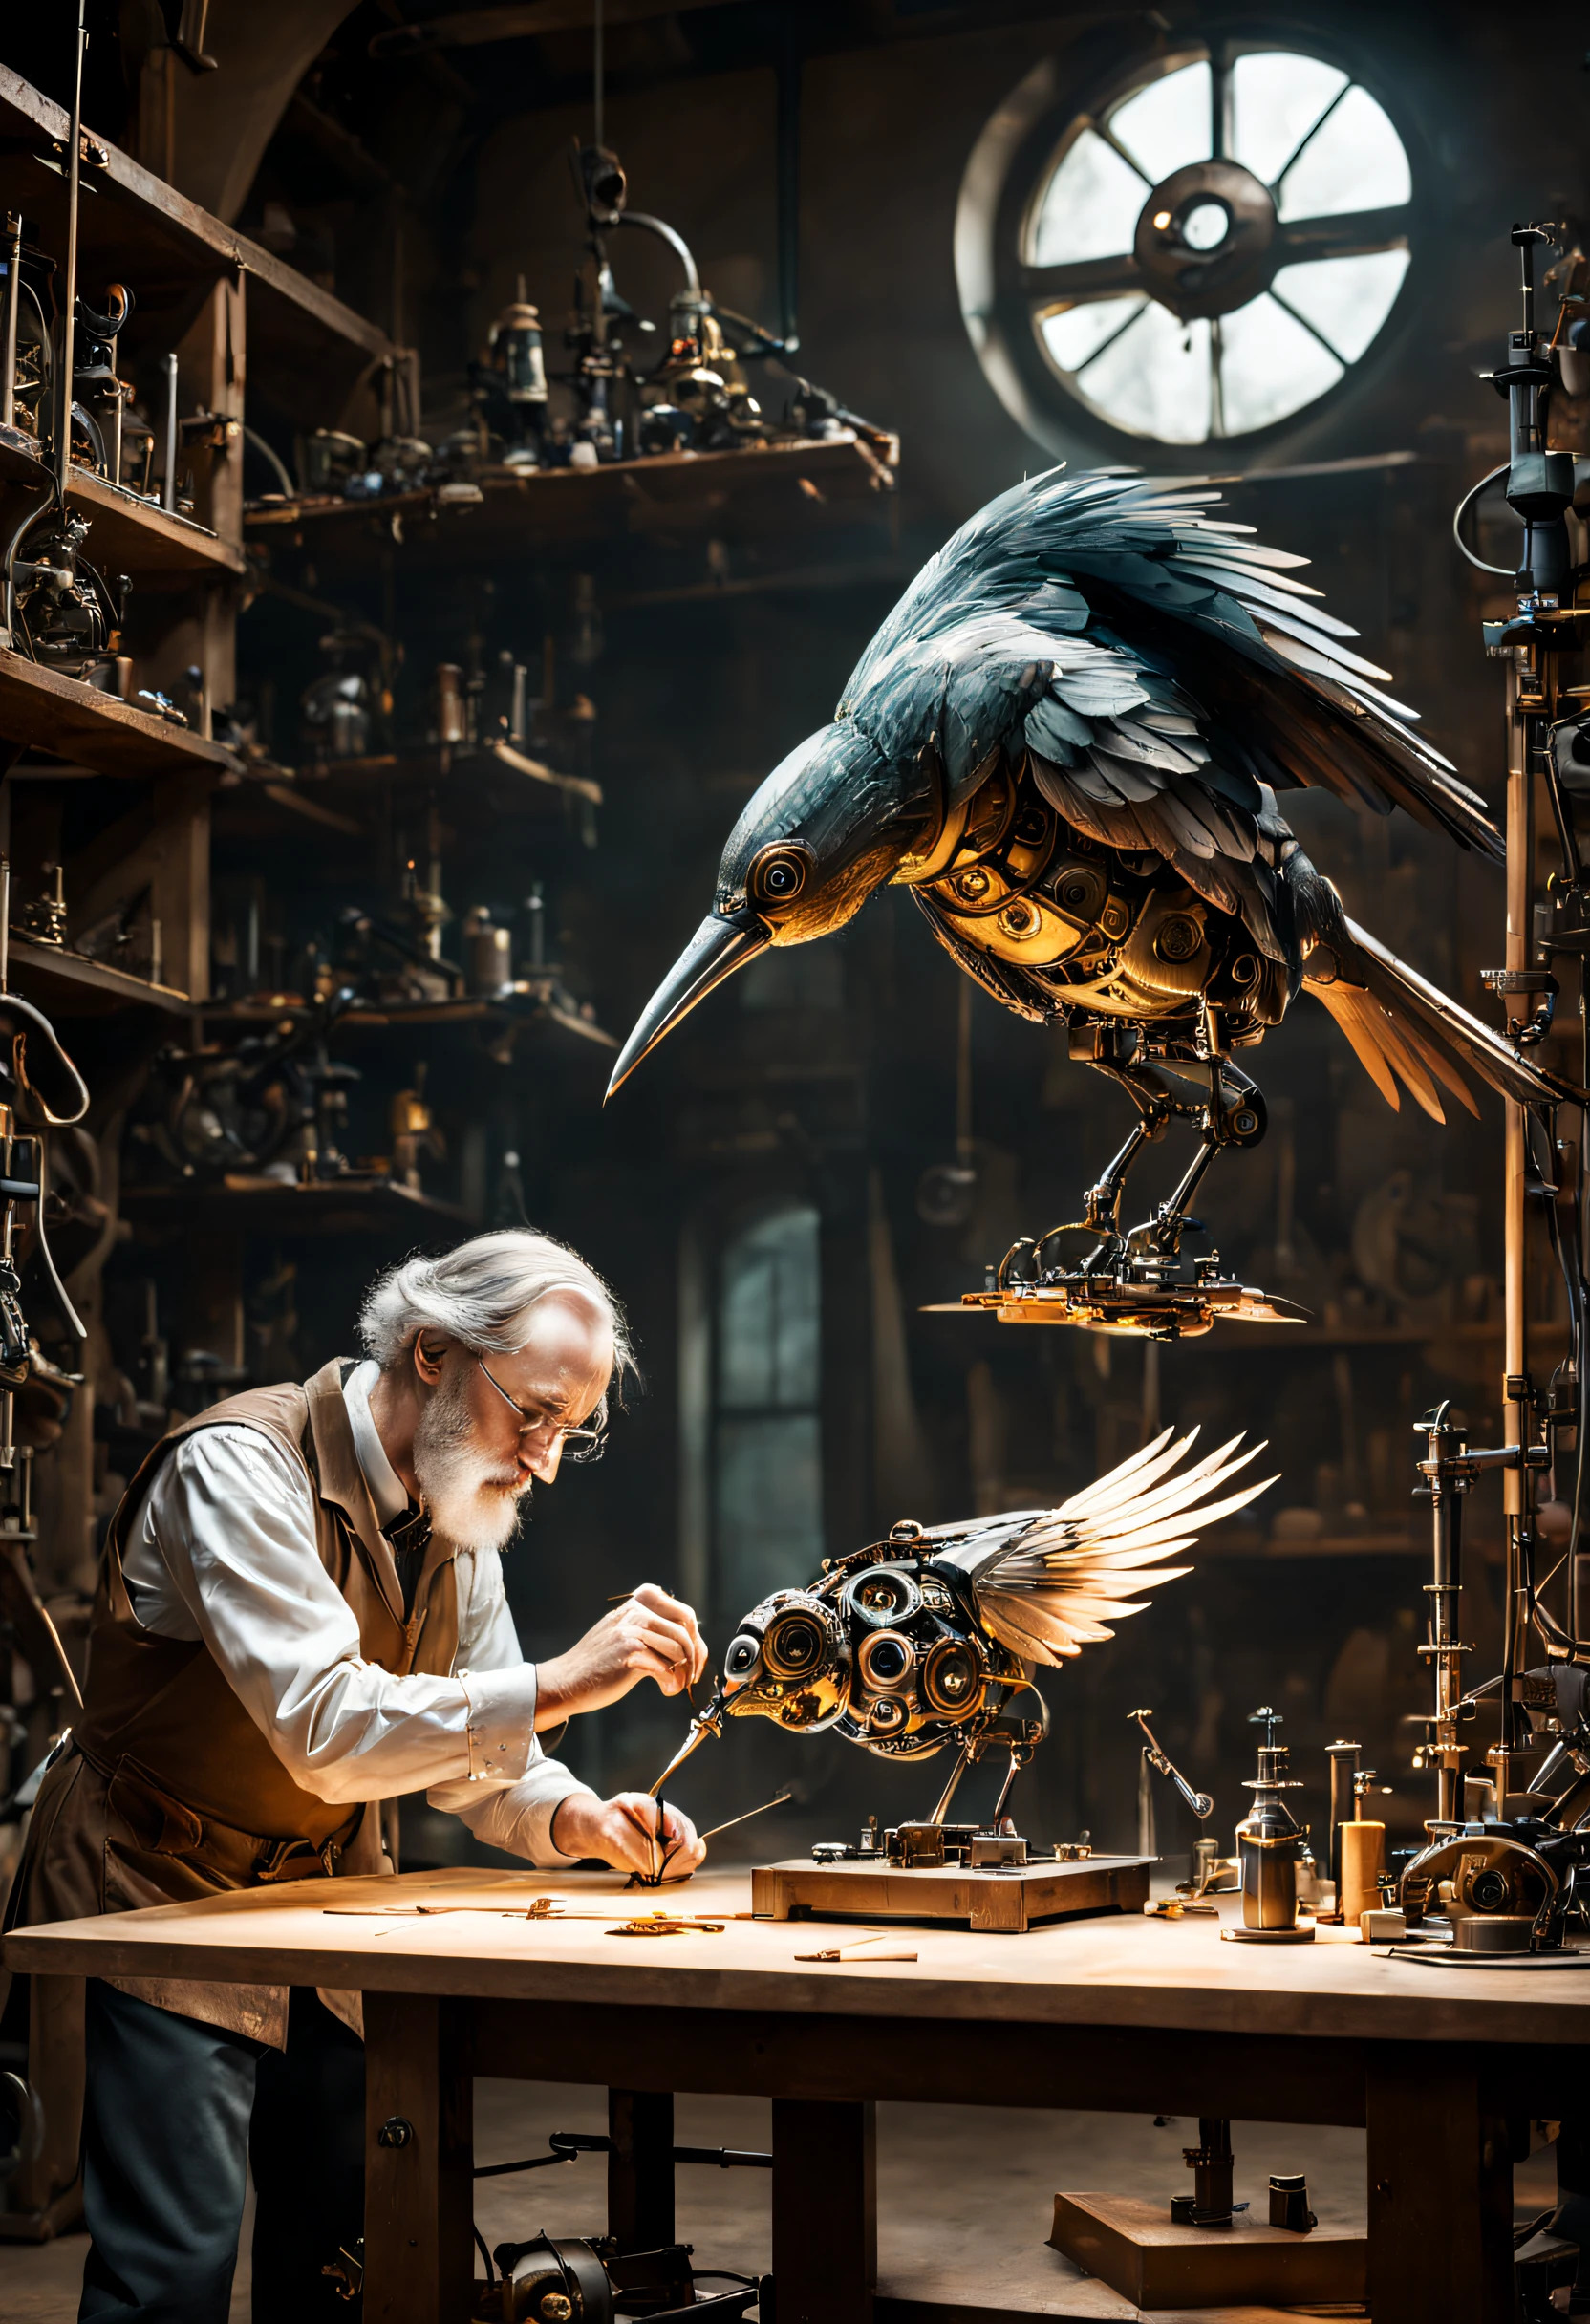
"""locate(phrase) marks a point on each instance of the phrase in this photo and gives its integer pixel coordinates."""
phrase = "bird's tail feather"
(1406, 1029)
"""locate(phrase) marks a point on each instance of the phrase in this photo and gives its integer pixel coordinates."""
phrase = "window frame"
(1009, 171)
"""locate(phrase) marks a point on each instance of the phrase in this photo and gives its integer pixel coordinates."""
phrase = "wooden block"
(1139, 2250)
(1009, 1901)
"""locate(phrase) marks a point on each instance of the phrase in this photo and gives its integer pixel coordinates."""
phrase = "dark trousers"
(173, 2110)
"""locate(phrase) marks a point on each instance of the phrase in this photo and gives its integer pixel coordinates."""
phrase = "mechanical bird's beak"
(717, 948)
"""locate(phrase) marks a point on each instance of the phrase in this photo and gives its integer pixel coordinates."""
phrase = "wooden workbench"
(1124, 2014)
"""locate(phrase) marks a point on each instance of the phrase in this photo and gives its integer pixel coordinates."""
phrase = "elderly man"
(301, 1616)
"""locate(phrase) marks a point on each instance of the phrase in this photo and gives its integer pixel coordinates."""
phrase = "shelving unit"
(64, 983)
(309, 352)
(131, 535)
(77, 723)
(760, 488)
(363, 1206)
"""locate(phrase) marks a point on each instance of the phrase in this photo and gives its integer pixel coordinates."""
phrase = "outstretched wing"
(1235, 675)
(1048, 1583)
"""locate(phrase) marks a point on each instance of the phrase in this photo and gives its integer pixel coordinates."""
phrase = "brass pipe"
(1517, 1482)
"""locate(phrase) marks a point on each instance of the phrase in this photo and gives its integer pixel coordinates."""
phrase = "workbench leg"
(640, 2168)
(825, 2212)
(418, 2193)
(1440, 2191)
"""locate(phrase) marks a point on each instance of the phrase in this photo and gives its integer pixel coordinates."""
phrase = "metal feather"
(1049, 1582)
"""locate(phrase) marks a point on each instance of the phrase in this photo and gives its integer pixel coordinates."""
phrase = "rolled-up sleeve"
(509, 1806)
(232, 1518)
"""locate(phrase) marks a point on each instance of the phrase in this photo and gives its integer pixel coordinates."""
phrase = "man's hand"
(651, 1635)
(625, 1833)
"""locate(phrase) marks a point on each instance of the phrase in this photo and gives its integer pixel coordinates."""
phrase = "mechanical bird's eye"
(779, 873)
(794, 1645)
(741, 1659)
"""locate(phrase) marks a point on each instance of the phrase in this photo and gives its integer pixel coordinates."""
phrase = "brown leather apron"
(167, 1790)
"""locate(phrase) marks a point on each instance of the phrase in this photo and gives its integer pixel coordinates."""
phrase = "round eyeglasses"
(573, 1444)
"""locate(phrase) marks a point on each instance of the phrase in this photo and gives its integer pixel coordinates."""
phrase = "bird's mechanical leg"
(967, 1755)
(1235, 1115)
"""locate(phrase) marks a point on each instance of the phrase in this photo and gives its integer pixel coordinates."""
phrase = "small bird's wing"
(1049, 1585)
(1403, 1029)
(1139, 567)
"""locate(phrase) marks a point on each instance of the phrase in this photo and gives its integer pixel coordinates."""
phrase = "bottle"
(1269, 1838)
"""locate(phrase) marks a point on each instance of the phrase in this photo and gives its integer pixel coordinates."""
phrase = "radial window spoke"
(1154, 379)
(1273, 366)
(1345, 299)
(1089, 209)
(1277, 99)
(1167, 125)
(1076, 334)
(1354, 162)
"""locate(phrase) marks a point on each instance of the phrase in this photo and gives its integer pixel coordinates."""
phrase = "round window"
(1203, 253)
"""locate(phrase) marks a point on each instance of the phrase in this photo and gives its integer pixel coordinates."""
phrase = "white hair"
(480, 1295)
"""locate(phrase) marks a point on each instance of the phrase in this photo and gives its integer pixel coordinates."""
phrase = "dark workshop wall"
(701, 690)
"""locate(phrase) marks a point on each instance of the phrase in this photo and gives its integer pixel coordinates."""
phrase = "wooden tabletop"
(1115, 1970)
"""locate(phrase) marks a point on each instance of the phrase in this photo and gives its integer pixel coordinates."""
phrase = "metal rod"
(8, 319)
(1344, 1760)
(1444, 1649)
(948, 1791)
(169, 498)
(5, 921)
(1518, 1483)
(73, 189)
(746, 1816)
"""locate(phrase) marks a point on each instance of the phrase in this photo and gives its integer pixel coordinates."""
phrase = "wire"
(269, 453)
(1461, 511)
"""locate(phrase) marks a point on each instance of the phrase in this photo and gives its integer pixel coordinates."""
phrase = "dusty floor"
(964, 2194)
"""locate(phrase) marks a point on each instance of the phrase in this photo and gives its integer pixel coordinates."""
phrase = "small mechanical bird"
(1066, 740)
(921, 1639)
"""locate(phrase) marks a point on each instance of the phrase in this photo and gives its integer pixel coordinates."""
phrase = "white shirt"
(223, 1551)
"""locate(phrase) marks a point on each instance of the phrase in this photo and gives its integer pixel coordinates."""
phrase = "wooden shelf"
(305, 349)
(762, 488)
(368, 1206)
(75, 723)
(463, 1008)
(66, 984)
(340, 795)
(130, 535)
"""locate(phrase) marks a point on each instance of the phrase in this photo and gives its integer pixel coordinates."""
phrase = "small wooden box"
(1138, 2250)
(1008, 1901)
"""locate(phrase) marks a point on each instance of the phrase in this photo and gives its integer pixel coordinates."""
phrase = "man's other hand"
(651, 1635)
(624, 1833)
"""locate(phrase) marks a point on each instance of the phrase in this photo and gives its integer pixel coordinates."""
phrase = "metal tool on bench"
(1269, 1842)
(1153, 1761)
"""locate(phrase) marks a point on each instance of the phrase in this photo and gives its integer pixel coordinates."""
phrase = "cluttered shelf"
(130, 534)
(65, 983)
(493, 777)
(140, 228)
(760, 487)
(78, 723)
(268, 1206)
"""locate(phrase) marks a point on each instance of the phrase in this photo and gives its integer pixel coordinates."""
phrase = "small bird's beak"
(717, 948)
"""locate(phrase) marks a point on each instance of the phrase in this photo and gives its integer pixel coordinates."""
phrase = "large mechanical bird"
(1066, 740)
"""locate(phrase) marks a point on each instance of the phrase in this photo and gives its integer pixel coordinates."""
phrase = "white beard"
(473, 1501)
